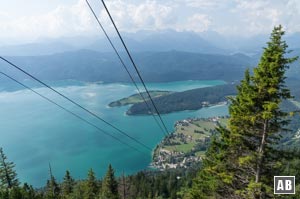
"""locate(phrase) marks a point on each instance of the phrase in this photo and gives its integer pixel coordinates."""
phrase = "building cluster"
(167, 157)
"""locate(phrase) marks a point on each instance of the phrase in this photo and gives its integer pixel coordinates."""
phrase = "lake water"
(34, 132)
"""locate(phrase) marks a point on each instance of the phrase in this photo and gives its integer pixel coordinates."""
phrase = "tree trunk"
(124, 186)
(261, 151)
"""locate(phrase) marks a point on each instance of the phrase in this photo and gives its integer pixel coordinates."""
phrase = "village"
(187, 145)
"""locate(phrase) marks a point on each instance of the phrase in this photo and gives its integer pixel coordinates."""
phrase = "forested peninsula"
(137, 98)
(187, 100)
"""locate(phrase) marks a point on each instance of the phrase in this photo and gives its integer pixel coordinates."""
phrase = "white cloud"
(77, 19)
(238, 17)
(4, 15)
(197, 23)
(252, 5)
(61, 21)
(132, 17)
(204, 4)
(251, 17)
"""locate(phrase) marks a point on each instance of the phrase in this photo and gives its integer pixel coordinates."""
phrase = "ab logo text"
(284, 184)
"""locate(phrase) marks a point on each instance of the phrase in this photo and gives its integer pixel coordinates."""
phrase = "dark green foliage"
(4, 194)
(165, 184)
(214, 177)
(147, 184)
(79, 190)
(15, 193)
(52, 187)
(28, 192)
(110, 185)
(8, 176)
(9, 183)
(67, 185)
(124, 186)
(91, 186)
(186, 100)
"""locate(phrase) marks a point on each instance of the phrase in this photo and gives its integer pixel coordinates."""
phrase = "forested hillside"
(144, 184)
(86, 65)
(186, 100)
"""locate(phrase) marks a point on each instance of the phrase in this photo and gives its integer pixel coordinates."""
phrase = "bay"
(34, 132)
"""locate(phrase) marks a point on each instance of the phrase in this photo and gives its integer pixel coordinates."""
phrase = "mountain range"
(158, 41)
(160, 56)
(87, 65)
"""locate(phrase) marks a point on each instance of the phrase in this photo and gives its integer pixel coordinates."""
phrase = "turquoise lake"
(34, 132)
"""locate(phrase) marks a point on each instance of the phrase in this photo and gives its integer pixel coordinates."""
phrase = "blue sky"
(34, 19)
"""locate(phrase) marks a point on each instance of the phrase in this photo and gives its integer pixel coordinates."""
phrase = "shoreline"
(222, 103)
(170, 153)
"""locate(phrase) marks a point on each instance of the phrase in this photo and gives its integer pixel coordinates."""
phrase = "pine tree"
(67, 184)
(124, 186)
(242, 162)
(110, 185)
(91, 186)
(15, 193)
(4, 194)
(215, 178)
(8, 176)
(52, 188)
(79, 190)
(28, 192)
(259, 116)
(269, 80)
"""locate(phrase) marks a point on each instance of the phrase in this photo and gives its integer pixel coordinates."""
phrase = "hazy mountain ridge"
(86, 65)
(158, 41)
